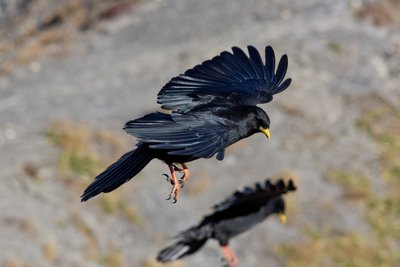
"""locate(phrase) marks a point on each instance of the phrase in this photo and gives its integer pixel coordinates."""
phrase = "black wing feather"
(266, 191)
(179, 134)
(233, 65)
(227, 79)
(257, 62)
(270, 63)
(244, 62)
(282, 67)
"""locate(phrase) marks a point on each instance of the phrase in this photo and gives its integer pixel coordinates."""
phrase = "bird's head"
(263, 122)
(279, 208)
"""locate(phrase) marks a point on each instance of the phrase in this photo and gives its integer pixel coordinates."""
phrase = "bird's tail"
(119, 172)
(180, 250)
(189, 242)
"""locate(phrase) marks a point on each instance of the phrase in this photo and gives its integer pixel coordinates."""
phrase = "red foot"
(176, 188)
(230, 256)
(186, 173)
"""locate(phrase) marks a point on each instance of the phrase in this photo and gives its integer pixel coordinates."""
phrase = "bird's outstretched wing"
(264, 191)
(180, 134)
(227, 79)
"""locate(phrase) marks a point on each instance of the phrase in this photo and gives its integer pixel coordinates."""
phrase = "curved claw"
(175, 192)
(224, 262)
(174, 199)
(176, 184)
(177, 169)
(167, 178)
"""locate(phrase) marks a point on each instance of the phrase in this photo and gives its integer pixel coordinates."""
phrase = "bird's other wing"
(261, 192)
(227, 79)
(180, 134)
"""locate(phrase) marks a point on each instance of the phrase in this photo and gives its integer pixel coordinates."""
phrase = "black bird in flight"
(213, 105)
(237, 214)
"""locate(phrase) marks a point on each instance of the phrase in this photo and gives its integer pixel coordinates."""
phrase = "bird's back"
(246, 208)
(226, 229)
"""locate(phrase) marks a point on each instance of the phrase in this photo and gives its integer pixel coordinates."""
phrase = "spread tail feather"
(119, 172)
(180, 249)
(189, 242)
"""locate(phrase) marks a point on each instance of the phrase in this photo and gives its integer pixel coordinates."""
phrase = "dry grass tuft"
(382, 12)
(84, 151)
(131, 213)
(49, 251)
(32, 170)
(112, 203)
(115, 204)
(74, 141)
(326, 250)
(82, 226)
(24, 225)
(383, 125)
(91, 248)
(54, 28)
(150, 262)
(356, 185)
(12, 263)
(113, 259)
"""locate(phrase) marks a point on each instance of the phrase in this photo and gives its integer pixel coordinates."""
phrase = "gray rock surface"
(113, 74)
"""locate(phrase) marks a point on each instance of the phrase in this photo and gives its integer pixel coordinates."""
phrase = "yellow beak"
(282, 217)
(266, 132)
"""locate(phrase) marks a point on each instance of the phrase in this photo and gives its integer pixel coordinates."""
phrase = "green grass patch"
(335, 47)
(76, 152)
(79, 163)
(84, 151)
(383, 125)
(355, 184)
(115, 204)
(113, 259)
(151, 262)
(381, 246)
(342, 250)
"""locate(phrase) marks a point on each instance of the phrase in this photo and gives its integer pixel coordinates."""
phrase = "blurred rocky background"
(72, 72)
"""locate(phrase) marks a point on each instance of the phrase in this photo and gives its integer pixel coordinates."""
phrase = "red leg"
(176, 186)
(230, 256)
(186, 173)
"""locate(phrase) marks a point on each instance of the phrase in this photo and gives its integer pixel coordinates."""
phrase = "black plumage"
(237, 214)
(213, 106)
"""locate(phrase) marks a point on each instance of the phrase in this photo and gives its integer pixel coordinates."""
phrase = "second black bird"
(240, 212)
